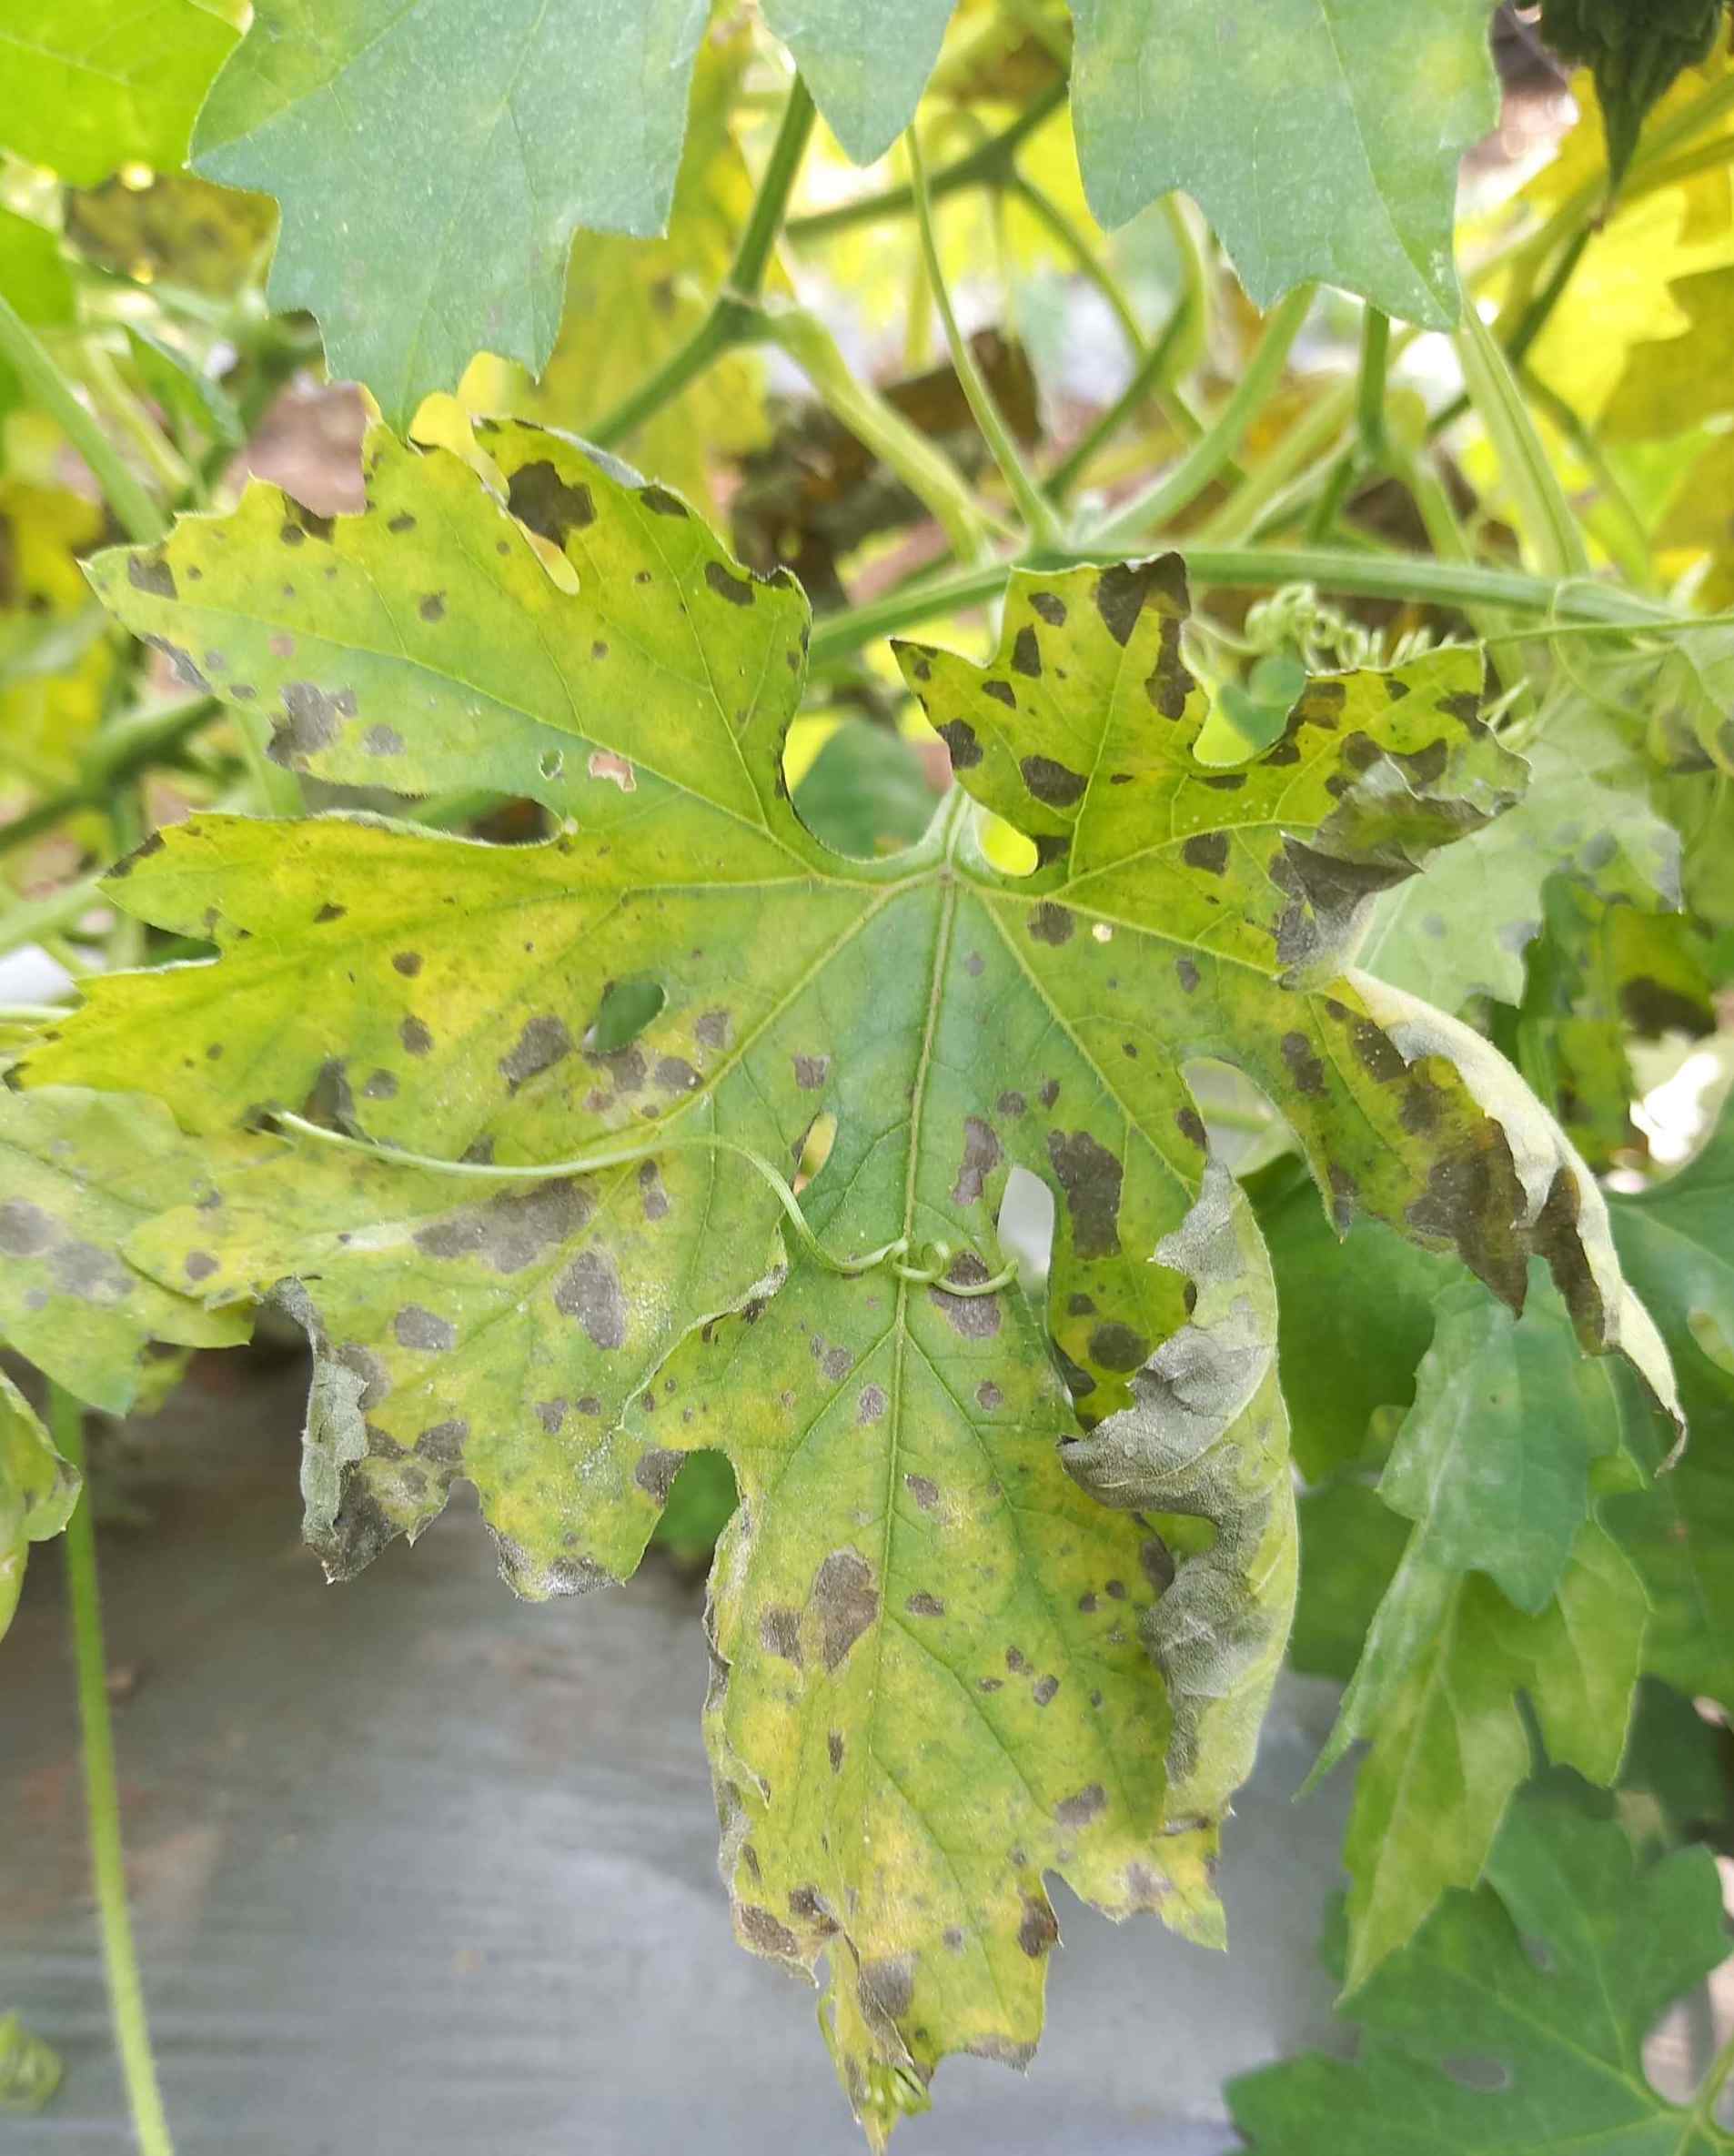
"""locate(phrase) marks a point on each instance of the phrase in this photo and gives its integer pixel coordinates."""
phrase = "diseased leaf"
(37, 1492)
(94, 84)
(1462, 929)
(80, 1172)
(422, 155)
(1516, 2021)
(1599, 975)
(902, 1449)
(1320, 139)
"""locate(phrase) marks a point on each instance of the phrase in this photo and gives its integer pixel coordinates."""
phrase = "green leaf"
(1508, 1584)
(917, 1567)
(1671, 384)
(94, 84)
(1634, 53)
(1320, 139)
(1677, 1244)
(652, 294)
(423, 158)
(1493, 1462)
(1516, 2022)
(37, 1492)
(866, 793)
(30, 2069)
(1339, 1372)
(1442, 1671)
(80, 1171)
(1462, 929)
(865, 67)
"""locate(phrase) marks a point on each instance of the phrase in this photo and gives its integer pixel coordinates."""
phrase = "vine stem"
(102, 1800)
(931, 1274)
(1034, 506)
(130, 499)
(735, 317)
(1158, 504)
(1721, 2070)
(1417, 577)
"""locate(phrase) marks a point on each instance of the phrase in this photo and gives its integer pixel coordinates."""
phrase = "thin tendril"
(939, 1255)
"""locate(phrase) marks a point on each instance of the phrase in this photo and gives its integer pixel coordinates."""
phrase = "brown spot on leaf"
(1208, 850)
(1039, 1931)
(1078, 1811)
(415, 1327)
(1052, 782)
(1053, 924)
(538, 497)
(737, 590)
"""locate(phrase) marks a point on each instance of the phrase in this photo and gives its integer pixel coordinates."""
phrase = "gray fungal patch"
(652, 1198)
(811, 1072)
(589, 1291)
(312, 719)
(382, 740)
(871, 1404)
(971, 1318)
(924, 1605)
(847, 1602)
(924, 1491)
(415, 1327)
(415, 1038)
(982, 1156)
(1079, 1810)
(656, 1471)
(511, 1231)
(25, 1230)
(780, 1632)
(89, 1273)
(151, 572)
(543, 1042)
(1091, 1178)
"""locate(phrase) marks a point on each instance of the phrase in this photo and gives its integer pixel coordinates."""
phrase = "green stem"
(1160, 503)
(47, 386)
(1417, 577)
(1307, 439)
(734, 315)
(31, 918)
(922, 468)
(990, 164)
(1146, 378)
(1376, 358)
(770, 205)
(1703, 2118)
(101, 1799)
(718, 333)
(1036, 510)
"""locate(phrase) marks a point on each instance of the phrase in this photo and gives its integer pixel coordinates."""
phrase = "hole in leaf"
(814, 1149)
(1479, 2070)
(700, 1500)
(1026, 1225)
(1246, 717)
(550, 763)
(627, 1007)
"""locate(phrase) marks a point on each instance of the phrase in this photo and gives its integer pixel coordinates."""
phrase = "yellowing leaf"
(918, 1596)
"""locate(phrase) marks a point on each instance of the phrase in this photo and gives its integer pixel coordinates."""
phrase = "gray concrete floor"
(418, 1868)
